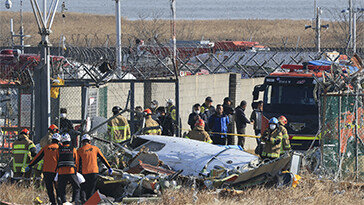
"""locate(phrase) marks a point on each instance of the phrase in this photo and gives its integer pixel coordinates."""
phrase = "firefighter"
(199, 133)
(286, 145)
(171, 109)
(66, 169)
(118, 128)
(46, 140)
(88, 167)
(50, 155)
(149, 122)
(272, 137)
(23, 150)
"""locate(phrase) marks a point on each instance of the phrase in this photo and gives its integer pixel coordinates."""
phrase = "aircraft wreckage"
(152, 163)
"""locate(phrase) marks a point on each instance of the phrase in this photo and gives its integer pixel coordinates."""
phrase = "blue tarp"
(350, 69)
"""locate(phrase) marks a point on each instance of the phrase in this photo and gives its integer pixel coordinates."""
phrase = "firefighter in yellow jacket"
(272, 137)
(118, 128)
(47, 140)
(23, 150)
(199, 133)
(286, 145)
(149, 122)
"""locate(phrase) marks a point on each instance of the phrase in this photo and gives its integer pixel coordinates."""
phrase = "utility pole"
(174, 62)
(42, 72)
(173, 6)
(350, 23)
(354, 32)
(318, 29)
(21, 31)
(118, 34)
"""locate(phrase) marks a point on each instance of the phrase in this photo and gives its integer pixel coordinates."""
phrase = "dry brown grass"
(79, 27)
(308, 192)
(21, 194)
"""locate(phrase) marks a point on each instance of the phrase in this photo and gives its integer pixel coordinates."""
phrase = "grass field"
(309, 191)
(94, 30)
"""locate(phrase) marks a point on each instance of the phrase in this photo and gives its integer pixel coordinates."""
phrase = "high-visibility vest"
(172, 111)
(40, 165)
(153, 131)
(119, 138)
(21, 153)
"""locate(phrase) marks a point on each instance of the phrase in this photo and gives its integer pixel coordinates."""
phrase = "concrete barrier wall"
(244, 90)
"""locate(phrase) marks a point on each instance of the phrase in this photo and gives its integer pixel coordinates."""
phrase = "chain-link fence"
(15, 114)
(342, 132)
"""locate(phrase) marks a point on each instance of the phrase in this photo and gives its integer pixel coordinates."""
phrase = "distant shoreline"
(98, 30)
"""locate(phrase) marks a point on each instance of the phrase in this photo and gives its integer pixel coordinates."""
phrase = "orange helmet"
(200, 122)
(283, 120)
(148, 111)
(53, 128)
(25, 131)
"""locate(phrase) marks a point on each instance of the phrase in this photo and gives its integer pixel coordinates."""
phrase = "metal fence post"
(147, 93)
(132, 106)
(356, 131)
(232, 96)
(84, 102)
(339, 133)
(179, 125)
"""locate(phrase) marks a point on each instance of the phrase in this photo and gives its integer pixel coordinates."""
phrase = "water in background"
(202, 9)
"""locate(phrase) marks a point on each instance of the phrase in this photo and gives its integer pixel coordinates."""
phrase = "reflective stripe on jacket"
(286, 145)
(21, 154)
(149, 122)
(272, 148)
(118, 129)
(172, 111)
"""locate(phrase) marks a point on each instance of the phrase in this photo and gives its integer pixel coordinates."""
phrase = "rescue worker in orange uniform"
(50, 155)
(286, 145)
(46, 140)
(149, 122)
(199, 133)
(23, 150)
(118, 128)
(67, 169)
(88, 167)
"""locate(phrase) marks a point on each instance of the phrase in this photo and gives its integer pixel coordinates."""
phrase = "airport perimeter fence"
(155, 61)
(89, 105)
(342, 136)
(15, 114)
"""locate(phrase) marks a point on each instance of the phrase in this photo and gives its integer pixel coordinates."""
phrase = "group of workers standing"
(219, 122)
(61, 163)
(152, 121)
(208, 124)
(59, 159)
